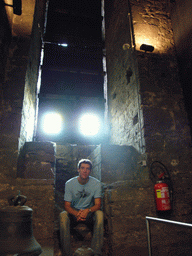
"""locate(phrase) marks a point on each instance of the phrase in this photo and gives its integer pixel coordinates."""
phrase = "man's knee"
(99, 217)
(63, 217)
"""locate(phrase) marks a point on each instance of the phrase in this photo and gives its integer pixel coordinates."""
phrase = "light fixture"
(60, 44)
(89, 124)
(147, 48)
(64, 45)
(52, 123)
(17, 7)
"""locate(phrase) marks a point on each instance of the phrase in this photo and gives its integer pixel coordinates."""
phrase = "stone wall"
(37, 161)
(182, 32)
(166, 127)
(16, 61)
(5, 39)
(31, 90)
(125, 115)
(146, 111)
(126, 205)
(15, 55)
(157, 119)
(113, 163)
(11, 104)
(129, 198)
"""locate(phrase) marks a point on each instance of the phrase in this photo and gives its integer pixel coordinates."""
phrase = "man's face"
(84, 171)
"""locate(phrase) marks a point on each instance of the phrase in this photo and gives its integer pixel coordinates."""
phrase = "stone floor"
(179, 245)
(47, 251)
(181, 249)
(76, 243)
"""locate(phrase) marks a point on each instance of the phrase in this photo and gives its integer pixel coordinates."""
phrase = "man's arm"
(70, 210)
(97, 205)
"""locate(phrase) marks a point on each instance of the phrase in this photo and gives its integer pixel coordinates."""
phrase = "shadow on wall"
(5, 39)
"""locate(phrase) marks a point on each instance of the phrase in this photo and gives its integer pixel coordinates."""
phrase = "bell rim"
(17, 208)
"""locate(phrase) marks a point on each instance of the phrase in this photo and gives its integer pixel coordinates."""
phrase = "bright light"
(89, 124)
(52, 123)
(64, 45)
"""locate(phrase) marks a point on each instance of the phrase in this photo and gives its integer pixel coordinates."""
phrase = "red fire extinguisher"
(162, 197)
(163, 193)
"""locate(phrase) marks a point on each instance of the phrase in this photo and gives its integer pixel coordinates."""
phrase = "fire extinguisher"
(163, 189)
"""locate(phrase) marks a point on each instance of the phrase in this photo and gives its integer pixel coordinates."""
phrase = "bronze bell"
(16, 233)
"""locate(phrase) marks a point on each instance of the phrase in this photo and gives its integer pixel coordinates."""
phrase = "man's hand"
(78, 216)
(82, 215)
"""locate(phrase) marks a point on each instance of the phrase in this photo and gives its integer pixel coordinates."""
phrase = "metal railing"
(161, 220)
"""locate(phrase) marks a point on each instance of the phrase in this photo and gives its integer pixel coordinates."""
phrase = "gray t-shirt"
(82, 196)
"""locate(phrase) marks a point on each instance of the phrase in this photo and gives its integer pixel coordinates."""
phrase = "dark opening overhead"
(74, 19)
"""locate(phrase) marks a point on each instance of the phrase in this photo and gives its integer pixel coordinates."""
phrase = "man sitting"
(82, 202)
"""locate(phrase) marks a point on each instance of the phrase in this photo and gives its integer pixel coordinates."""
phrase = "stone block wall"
(14, 56)
(15, 48)
(157, 120)
(129, 198)
(166, 126)
(126, 206)
(113, 163)
(5, 39)
(182, 31)
(125, 114)
(11, 104)
(136, 76)
(32, 78)
(37, 161)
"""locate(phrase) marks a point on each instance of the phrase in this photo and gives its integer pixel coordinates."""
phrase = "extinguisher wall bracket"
(159, 172)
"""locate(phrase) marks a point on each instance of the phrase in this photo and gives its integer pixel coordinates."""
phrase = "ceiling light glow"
(52, 123)
(89, 124)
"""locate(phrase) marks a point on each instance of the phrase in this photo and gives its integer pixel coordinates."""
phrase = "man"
(82, 202)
